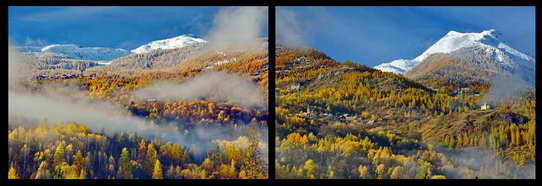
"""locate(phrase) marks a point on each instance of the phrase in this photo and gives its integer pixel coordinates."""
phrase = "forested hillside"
(346, 120)
(110, 124)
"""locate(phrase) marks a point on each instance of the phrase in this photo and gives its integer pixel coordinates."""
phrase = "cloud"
(504, 88)
(237, 27)
(486, 165)
(215, 86)
(288, 28)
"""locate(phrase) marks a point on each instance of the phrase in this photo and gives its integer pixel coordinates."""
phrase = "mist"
(19, 67)
(214, 86)
(111, 119)
(97, 115)
(237, 27)
(288, 28)
(503, 89)
(486, 165)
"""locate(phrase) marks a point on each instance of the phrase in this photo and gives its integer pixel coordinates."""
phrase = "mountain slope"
(153, 59)
(85, 53)
(350, 121)
(199, 56)
(452, 72)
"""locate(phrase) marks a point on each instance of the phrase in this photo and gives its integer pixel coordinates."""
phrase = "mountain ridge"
(487, 42)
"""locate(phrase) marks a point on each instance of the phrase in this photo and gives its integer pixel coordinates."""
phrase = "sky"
(116, 27)
(375, 35)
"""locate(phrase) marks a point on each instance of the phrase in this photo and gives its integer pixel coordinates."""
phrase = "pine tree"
(78, 160)
(310, 166)
(12, 174)
(380, 171)
(150, 159)
(363, 170)
(207, 164)
(157, 172)
(59, 155)
(125, 169)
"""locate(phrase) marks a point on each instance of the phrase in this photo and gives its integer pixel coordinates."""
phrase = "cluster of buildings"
(330, 116)
(467, 91)
(62, 76)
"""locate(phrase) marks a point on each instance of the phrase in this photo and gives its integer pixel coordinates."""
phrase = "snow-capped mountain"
(171, 43)
(487, 42)
(72, 51)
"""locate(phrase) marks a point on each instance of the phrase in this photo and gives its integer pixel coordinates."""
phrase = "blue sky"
(374, 35)
(123, 27)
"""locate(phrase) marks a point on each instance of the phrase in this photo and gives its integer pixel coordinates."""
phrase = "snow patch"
(73, 51)
(171, 43)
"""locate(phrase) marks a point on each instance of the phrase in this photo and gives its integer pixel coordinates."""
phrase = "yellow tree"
(157, 173)
(396, 173)
(310, 166)
(83, 174)
(150, 159)
(12, 174)
(42, 172)
(59, 155)
(207, 164)
(78, 160)
(380, 171)
(363, 170)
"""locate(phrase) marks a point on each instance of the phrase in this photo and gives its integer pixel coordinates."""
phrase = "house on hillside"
(486, 106)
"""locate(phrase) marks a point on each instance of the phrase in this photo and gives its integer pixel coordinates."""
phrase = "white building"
(485, 106)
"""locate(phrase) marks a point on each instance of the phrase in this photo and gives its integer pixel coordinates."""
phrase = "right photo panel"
(405, 92)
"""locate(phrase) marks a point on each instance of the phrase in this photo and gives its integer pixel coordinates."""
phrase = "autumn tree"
(150, 159)
(59, 155)
(12, 174)
(125, 168)
(157, 172)
(310, 167)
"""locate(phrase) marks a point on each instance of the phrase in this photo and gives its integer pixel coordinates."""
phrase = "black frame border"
(272, 5)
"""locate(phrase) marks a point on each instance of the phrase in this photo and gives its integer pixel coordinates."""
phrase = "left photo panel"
(138, 92)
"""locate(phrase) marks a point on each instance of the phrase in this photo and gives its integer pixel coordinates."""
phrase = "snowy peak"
(487, 40)
(456, 40)
(84, 53)
(171, 43)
